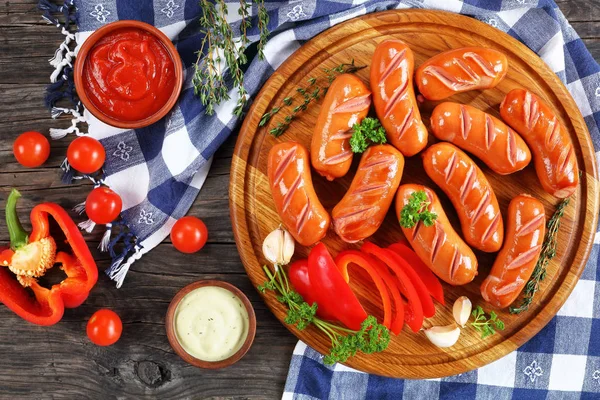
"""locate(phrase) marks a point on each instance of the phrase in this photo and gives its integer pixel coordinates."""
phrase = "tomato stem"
(18, 235)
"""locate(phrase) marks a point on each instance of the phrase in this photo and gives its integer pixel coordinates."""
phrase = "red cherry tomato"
(189, 234)
(103, 205)
(86, 154)
(31, 149)
(104, 328)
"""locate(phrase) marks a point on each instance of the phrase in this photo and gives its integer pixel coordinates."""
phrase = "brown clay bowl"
(81, 59)
(170, 326)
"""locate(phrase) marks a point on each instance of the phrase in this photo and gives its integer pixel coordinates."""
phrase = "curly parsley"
(416, 210)
(368, 132)
(486, 327)
(345, 343)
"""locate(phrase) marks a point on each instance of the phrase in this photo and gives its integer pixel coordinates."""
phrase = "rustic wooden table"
(60, 362)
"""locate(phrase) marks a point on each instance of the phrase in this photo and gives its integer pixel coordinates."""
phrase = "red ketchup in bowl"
(129, 75)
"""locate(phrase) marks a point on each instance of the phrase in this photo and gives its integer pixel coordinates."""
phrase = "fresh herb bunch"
(221, 50)
(548, 253)
(416, 210)
(303, 96)
(345, 343)
(368, 132)
(486, 327)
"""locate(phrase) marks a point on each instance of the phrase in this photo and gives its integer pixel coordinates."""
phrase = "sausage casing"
(364, 206)
(482, 135)
(460, 70)
(346, 103)
(470, 192)
(553, 152)
(526, 226)
(294, 195)
(439, 246)
(394, 97)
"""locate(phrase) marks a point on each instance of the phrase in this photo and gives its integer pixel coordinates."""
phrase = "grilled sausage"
(470, 193)
(394, 97)
(460, 70)
(294, 195)
(439, 246)
(346, 103)
(553, 152)
(515, 263)
(482, 135)
(364, 206)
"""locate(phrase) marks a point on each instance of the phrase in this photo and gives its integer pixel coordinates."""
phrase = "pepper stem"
(18, 235)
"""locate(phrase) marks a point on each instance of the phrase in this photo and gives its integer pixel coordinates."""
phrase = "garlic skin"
(278, 247)
(462, 310)
(443, 336)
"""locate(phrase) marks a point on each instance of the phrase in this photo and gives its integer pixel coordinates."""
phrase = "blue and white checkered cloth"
(159, 170)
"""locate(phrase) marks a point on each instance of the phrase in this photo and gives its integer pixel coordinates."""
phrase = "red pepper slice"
(413, 314)
(360, 259)
(433, 284)
(298, 274)
(331, 291)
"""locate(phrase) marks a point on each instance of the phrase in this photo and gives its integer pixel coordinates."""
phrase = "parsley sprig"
(416, 210)
(345, 343)
(486, 327)
(548, 252)
(368, 132)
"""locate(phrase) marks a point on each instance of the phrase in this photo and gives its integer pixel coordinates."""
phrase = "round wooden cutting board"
(411, 355)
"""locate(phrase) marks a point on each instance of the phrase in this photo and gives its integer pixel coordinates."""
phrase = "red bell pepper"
(331, 291)
(298, 273)
(355, 257)
(431, 281)
(392, 284)
(413, 311)
(31, 256)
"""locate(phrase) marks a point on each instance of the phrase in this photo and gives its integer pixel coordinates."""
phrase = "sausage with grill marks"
(439, 246)
(470, 192)
(346, 103)
(553, 153)
(394, 97)
(526, 226)
(460, 70)
(294, 195)
(364, 206)
(482, 135)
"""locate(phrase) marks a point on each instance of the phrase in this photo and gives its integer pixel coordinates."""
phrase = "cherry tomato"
(189, 234)
(86, 154)
(31, 149)
(103, 205)
(104, 328)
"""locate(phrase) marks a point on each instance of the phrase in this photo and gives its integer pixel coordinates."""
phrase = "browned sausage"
(294, 195)
(470, 193)
(482, 135)
(394, 97)
(439, 246)
(460, 70)
(514, 265)
(364, 206)
(553, 152)
(346, 103)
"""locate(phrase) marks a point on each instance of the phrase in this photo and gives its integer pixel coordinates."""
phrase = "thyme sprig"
(221, 49)
(304, 95)
(345, 343)
(548, 253)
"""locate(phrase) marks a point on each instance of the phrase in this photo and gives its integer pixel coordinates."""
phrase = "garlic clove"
(443, 336)
(278, 247)
(462, 310)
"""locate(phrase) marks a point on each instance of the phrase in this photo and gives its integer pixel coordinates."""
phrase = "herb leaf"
(345, 343)
(416, 210)
(369, 131)
(486, 327)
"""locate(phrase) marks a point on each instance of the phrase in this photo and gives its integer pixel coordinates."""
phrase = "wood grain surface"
(58, 362)
(427, 33)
